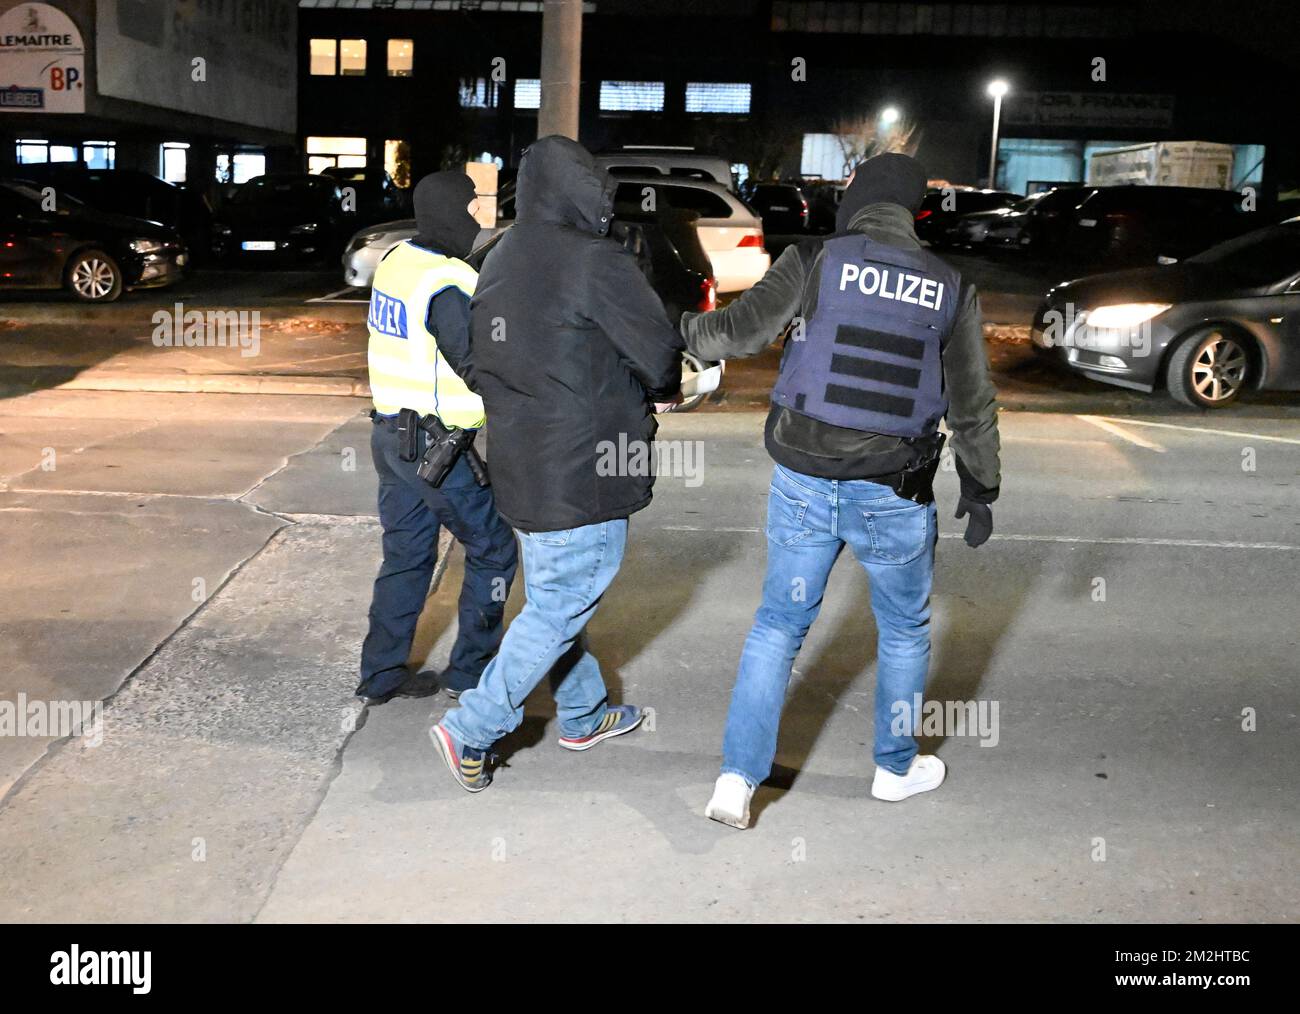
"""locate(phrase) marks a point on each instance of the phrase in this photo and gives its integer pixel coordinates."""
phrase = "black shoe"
(421, 684)
(373, 702)
(455, 684)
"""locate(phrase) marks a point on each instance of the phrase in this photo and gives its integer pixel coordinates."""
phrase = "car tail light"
(925, 213)
(708, 295)
(751, 239)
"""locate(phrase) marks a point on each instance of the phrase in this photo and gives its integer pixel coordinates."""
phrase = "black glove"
(980, 525)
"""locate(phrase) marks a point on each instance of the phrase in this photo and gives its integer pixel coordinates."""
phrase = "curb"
(231, 383)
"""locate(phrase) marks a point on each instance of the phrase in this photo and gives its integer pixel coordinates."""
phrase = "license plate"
(258, 244)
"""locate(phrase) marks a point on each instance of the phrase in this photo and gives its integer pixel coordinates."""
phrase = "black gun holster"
(446, 446)
(916, 482)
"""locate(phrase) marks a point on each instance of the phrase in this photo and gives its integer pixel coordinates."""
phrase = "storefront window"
(174, 156)
(99, 154)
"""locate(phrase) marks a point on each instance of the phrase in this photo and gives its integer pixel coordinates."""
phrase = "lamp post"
(997, 88)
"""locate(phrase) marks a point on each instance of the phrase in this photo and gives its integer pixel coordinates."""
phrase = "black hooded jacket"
(569, 348)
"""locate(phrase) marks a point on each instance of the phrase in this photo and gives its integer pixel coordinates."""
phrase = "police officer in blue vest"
(884, 341)
(419, 338)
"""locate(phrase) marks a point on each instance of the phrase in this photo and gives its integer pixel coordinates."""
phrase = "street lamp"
(997, 88)
(889, 116)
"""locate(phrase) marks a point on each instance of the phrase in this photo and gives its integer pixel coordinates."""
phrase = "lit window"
(632, 96)
(717, 97)
(397, 161)
(99, 154)
(528, 93)
(248, 165)
(31, 152)
(324, 57)
(174, 155)
(327, 152)
(401, 57)
(478, 93)
(352, 56)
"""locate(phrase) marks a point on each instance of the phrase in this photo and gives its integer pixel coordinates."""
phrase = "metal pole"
(993, 152)
(561, 68)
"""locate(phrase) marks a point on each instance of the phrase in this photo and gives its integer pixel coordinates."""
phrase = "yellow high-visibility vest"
(406, 368)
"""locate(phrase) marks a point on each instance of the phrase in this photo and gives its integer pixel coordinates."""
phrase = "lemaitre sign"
(42, 61)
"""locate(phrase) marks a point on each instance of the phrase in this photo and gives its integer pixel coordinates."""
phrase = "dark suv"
(1137, 224)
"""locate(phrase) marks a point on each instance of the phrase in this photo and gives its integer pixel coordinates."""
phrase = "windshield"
(1257, 258)
(295, 191)
(1028, 202)
(63, 200)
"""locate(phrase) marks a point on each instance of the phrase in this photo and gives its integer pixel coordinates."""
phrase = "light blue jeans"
(809, 520)
(565, 575)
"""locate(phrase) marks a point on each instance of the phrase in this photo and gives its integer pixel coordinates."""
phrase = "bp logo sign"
(42, 61)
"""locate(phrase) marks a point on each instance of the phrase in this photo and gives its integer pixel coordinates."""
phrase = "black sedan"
(50, 240)
(285, 217)
(940, 210)
(1219, 323)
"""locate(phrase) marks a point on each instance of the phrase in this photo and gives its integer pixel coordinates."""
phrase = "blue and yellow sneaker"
(471, 768)
(618, 719)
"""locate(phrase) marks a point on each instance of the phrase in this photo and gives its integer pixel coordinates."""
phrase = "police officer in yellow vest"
(419, 336)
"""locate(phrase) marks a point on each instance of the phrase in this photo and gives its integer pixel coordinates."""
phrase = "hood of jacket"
(560, 184)
(888, 222)
(441, 221)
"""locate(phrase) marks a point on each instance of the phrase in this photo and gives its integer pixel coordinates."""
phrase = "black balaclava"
(891, 178)
(441, 221)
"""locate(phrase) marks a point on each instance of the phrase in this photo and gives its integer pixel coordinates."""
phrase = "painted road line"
(1114, 430)
(1203, 429)
(1069, 539)
(333, 297)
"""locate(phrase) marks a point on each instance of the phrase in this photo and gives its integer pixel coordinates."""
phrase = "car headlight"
(306, 227)
(146, 246)
(1125, 315)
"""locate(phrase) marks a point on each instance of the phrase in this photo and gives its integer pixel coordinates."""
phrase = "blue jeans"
(411, 512)
(809, 520)
(565, 575)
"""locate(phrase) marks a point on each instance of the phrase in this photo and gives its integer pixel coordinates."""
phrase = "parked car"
(782, 206)
(940, 210)
(1221, 322)
(378, 198)
(95, 255)
(730, 231)
(823, 203)
(129, 192)
(1136, 224)
(291, 216)
(1039, 223)
(682, 163)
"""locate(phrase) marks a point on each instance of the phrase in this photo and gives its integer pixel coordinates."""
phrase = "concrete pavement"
(232, 781)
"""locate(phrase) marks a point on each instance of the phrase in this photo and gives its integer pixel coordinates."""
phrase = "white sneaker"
(926, 773)
(730, 802)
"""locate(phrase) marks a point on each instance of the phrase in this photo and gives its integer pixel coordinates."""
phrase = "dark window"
(1258, 258)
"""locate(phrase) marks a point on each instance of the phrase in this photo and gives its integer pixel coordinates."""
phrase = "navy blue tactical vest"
(869, 356)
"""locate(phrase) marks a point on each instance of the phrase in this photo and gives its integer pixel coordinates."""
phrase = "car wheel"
(94, 277)
(1208, 370)
(692, 364)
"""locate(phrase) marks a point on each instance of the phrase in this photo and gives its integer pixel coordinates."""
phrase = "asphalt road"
(199, 566)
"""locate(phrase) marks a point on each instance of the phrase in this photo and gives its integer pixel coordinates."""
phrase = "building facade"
(195, 91)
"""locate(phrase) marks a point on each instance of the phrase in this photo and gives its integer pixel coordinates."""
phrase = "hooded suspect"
(570, 346)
